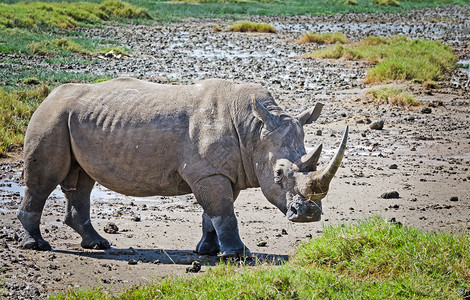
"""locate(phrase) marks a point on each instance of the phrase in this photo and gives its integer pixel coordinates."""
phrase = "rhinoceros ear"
(270, 121)
(310, 115)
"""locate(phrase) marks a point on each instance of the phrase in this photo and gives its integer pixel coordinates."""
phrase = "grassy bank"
(175, 10)
(396, 58)
(373, 259)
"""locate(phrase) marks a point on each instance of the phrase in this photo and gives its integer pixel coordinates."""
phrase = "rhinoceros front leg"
(78, 209)
(209, 243)
(216, 197)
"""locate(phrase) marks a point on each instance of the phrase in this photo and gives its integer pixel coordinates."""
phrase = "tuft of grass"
(55, 46)
(397, 58)
(351, 2)
(17, 108)
(323, 38)
(373, 259)
(66, 15)
(386, 2)
(393, 96)
(31, 81)
(252, 27)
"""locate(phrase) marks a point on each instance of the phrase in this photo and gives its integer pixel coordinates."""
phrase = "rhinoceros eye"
(278, 175)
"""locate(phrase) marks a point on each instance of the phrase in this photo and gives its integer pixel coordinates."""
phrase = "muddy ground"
(425, 157)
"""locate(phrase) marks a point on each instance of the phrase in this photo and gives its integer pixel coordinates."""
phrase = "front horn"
(329, 171)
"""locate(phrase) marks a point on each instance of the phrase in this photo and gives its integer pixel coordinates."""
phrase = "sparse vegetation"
(373, 259)
(397, 58)
(323, 38)
(17, 108)
(392, 96)
(252, 27)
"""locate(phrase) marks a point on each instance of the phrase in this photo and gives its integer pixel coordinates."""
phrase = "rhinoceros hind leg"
(209, 243)
(216, 197)
(32, 238)
(78, 209)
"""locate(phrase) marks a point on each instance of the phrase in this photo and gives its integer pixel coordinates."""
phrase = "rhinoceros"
(213, 139)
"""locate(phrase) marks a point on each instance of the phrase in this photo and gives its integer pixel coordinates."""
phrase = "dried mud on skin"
(424, 158)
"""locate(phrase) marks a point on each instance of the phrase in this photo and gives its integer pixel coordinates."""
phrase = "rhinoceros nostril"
(294, 211)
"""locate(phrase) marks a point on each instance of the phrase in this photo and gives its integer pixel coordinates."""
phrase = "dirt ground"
(425, 157)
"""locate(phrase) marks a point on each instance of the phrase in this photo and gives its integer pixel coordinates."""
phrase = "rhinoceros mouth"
(304, 211)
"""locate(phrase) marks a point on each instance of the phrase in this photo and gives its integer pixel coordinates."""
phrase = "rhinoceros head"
(287, 175)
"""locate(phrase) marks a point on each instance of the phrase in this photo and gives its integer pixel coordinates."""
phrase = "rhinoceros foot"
(205, 248)
(35, 244)
(97, 243)
(238, 253)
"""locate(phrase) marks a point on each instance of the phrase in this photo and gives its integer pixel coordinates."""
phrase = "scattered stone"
(319, 132)
(136, 218)
(111, 228)
(409, 118)
(284, 232)
(261, 244)
(377, 125)
(393, 166)
(390, 195)
(194, 268)
(426, 110)
(454, 198)
(132, 261)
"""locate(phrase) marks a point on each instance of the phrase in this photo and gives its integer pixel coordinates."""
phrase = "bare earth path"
(424, 157)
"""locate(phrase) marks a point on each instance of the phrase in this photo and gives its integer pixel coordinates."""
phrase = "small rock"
(136, 219)
(377, 125)
(390, 195)
(195, 267)
(111, 228)
(454, 198)
(261, 244)
(426, 110)
(393, 166)
(284, 232)
(319, 132)
(409, 118)
(132, 261)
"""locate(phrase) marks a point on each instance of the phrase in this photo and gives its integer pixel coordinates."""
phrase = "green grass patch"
(65, 15)
(17, 108)
(393, 96)
(22, 41)
(372, 259)
(396, 58)
(18, 100)
(252, 27)
(323, 38)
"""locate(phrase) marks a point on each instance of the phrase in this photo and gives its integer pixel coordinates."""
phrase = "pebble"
(194, 268)
(390, 195)
(111, 228)
(132, 261)
(377, 125)
(454, 198)
(393, 166)
(426, 110)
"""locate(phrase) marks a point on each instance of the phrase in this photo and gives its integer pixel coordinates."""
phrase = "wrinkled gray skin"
(212, 139)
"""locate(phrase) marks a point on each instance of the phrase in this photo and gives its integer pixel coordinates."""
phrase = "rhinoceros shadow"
(162, 256)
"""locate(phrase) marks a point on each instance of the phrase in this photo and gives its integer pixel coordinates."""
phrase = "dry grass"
(252, 27)
(323, 38)
(392, 96)
(386, 2)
